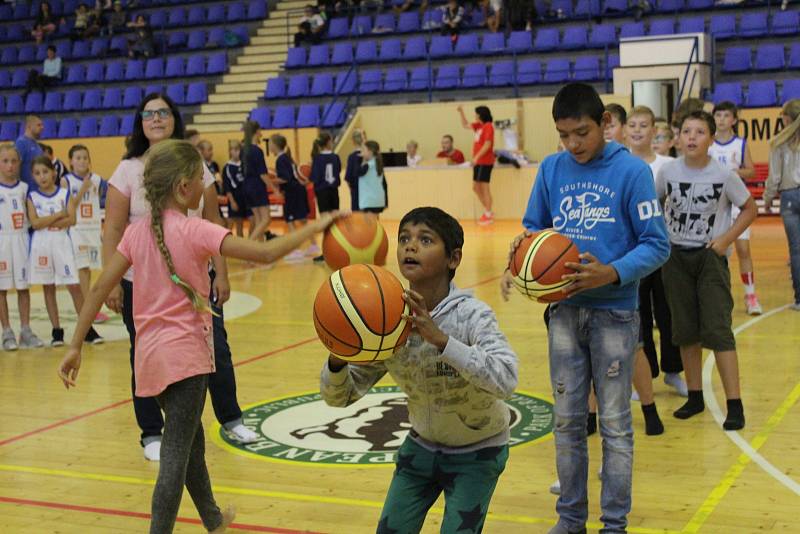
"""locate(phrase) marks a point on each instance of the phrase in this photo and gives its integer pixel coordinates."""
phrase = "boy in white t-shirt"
(732, 152)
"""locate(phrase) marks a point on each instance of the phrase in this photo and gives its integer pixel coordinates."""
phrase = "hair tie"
(175, 278)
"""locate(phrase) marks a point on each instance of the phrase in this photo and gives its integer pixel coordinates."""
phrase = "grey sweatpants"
(183, 457)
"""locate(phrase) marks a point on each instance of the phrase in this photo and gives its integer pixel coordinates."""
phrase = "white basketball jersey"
(731, 154)
(47, 205)
(12, 208)
(87, 214)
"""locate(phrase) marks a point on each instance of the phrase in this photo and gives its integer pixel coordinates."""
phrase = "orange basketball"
(538, 265)
(304, 170)
(358, 314)
(357, 238)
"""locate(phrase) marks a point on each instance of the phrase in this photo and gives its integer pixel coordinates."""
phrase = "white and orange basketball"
(538, 265)
(358, 314)
(357, 238)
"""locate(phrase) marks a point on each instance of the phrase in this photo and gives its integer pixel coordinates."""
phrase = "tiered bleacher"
(100, 85)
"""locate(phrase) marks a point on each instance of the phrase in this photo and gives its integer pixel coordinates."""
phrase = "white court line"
(733, 435)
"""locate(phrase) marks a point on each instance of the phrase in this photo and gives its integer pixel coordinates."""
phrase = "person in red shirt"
(453, 155)
(482, 158)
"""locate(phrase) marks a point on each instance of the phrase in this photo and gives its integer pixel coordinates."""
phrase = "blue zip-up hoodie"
(609, 208)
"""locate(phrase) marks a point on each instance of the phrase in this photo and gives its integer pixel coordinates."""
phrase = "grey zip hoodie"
(455, 397)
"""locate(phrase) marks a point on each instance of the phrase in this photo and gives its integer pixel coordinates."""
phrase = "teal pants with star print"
(467, 480)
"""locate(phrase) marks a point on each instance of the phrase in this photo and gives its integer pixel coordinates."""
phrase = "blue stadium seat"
(307, 116)
(467, 45)
(88, 127)
(362, 25)
(126, 125)
(762, 94)
(728, 91)
(177, 40)
(342, 54)
(256, 10)
(333, 115)
(8, 130)
(296, 57)
(217, 63)
(175, 67)
(34, 102)
(195, 65)
(237, 11)
(49, 128)
(366, 51)
(790, 90)
(52, 102)
(72, 100)
(95, 72)
(447, 77)
(770, 57)
(9, 55)
(546, 39)
(602, 35)
(391, 50)
(345, 82)
(502, 73)
(67, 128)
(132, 97)
(92, 99)
(370, 81)
(298, 86)
(153, 89)
(615, 7)
(587, 69)
(420, 79)
(134, 70)
(563, 6)
(196, 93)
(196, 40)
(662, 27)
(723, 26)
(737, 59)
(158, 19)
(114, 72)
(318, 55)
(215, 14)
(338, 28)
(19, 78)
(631, 29)
(785, 23)
(692, 24)
(41, 52)
(5, 79)
(177, 92)
(753, 24)
(493, 43)
(670, 6)
(3, 104)
(154, 68)
(283, 117)
(276, 88)
(385, 22)
(76, 74)
(177, 18)
(63, 50)
(556, 71)
(432, 19)
(474, 75)
(415, 48)
(794, 56)
(408, 22)
(15, 104)
(477, 20)
(587, 8)
(575, 38)
(529, 72)
(322, 84)
(396, 80)
(698, 5)
(112, 98)
(215, 37)
(81, 50)
(118, 44)
(99, 47)
(109, 126)
(261, 116)
(242, 33)
(196, 16)
(441, 46)
(26, 54)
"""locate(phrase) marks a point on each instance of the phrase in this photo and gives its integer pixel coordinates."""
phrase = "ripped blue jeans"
(593, 345)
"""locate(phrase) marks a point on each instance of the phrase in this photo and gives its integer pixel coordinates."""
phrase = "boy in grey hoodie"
(456, 368)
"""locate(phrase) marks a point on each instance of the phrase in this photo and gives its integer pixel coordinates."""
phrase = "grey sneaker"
(29, 340)
(9, 340)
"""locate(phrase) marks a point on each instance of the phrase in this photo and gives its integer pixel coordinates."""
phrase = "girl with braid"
(174, 342)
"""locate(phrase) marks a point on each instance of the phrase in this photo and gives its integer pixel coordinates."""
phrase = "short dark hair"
(684, 108)
(577, 100)
(618, 111)
(46, 148)
(484, 114)
(442, 223)
(43, 160)
(448, 136)
(701, 115)
(51, 47)
(727, 105)
(138, 143)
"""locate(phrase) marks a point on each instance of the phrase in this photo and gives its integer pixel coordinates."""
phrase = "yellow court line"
(729, 479)
(232, 490)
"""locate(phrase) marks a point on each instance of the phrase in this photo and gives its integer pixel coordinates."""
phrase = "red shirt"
(483, 132)
(456, 156)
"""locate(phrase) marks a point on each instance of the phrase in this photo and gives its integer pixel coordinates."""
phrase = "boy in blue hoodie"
(604, 199)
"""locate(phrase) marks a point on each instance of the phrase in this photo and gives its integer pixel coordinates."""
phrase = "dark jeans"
(221, 384)
(653, 302)
(39, 82)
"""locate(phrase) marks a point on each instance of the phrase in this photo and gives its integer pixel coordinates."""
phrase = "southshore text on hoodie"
(609, 208)
(455, 397)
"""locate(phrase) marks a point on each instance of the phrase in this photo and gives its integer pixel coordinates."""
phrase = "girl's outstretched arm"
(109, 279)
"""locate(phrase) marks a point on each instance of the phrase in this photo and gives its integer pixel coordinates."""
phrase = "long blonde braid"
(167, 163)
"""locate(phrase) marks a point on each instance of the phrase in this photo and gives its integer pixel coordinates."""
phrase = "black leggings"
(653, 302)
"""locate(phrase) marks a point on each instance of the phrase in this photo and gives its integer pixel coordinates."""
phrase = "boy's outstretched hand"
(70, 365)
(421, 320)
(589, 275)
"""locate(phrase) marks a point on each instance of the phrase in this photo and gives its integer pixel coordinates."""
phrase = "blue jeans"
(593, 345)
(790, 212)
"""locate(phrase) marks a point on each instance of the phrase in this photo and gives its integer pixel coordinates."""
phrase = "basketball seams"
(330, 334)
(354, 307)
(531, 253)
(341, 307)
(383, 308)
(571, 244)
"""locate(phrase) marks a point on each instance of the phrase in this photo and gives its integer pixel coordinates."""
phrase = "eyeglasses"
(149, 114)
(661, 138)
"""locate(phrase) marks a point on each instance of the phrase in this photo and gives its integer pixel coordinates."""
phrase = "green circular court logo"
(304, 429)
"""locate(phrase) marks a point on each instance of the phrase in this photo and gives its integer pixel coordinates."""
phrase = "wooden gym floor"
(70, 462)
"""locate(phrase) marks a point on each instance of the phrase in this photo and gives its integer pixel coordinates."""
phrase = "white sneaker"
(29, 340)
(555, 487)
(795, 306)
(674, 380)
(635, 396)
(9, 340)
(242, 434)
(152, 451)
(752, 305)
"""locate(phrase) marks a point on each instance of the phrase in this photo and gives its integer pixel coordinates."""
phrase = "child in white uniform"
(14, 250)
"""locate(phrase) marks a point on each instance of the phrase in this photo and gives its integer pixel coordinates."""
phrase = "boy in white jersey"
(84, 187)
(52, 260)
(14, 250)
(732, 152)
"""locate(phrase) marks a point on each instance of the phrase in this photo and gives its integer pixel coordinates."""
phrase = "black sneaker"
(58, 337)
(269, 235)
(93, 337)
(319, 259)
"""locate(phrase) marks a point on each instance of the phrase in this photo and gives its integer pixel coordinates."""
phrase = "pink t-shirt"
(128, 179)
(173, 340)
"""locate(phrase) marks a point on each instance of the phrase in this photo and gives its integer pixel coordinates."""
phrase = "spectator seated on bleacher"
(143, 43)
(311, 27)
(452, 17)
(407, 5)
(87, 23)
(50, 75)
(46, 23)
(521, 15)
(117, 19)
